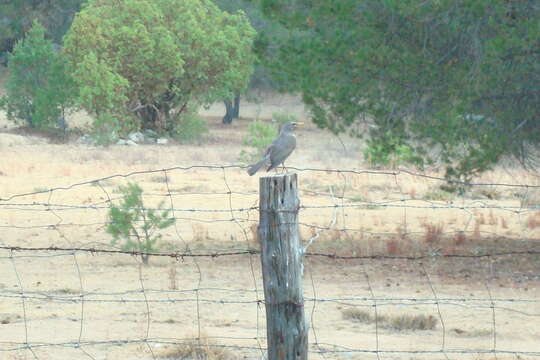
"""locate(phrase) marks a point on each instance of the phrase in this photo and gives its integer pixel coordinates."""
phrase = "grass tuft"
(357, 315)
(403, 322)
(201, 350)
(412, 322)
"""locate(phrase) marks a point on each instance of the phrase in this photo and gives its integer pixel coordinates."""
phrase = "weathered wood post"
(281, 256)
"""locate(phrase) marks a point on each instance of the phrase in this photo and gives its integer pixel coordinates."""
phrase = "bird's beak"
(298, 123)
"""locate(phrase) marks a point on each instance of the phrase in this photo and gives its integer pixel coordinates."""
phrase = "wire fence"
(395, 268)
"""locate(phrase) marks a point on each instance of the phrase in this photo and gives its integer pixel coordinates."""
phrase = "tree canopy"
(456, 81)
(152, 59)
(16, 17)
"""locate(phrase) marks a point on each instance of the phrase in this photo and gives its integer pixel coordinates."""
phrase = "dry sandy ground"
(110, 304)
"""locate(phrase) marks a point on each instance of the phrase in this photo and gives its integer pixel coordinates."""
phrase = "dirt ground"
(79, 305)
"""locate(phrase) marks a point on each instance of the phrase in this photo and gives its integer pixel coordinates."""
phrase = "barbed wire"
(367, 286)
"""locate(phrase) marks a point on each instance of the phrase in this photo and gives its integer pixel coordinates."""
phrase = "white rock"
(137, 137)
(86, 140)
(162, 141)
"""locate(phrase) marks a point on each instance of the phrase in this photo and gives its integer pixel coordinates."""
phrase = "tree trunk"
(232, 109)
(229, 111)
(236, 106)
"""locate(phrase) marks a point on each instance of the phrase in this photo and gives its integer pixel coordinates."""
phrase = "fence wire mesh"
(395, 268)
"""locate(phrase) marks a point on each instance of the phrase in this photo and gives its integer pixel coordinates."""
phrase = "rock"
(137, 137)
(149, 133)
(86, 140)
(162, 141)
(126, 142)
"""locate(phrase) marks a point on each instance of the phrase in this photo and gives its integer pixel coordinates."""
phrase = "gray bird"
(279, 150)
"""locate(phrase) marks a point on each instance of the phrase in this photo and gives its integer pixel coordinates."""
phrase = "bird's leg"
(283, 167)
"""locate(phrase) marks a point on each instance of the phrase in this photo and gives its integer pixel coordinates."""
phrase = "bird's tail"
(252, 169)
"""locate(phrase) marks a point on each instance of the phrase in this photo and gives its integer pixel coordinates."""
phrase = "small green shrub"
(260, 135)
(136, 226)
(105, 129)
(390, 153)
(283, 118)
(190, 128)
(38, 86)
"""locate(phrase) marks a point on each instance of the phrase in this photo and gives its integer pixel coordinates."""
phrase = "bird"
(279, 150)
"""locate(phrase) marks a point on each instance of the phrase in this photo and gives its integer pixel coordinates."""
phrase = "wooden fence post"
(281, 257)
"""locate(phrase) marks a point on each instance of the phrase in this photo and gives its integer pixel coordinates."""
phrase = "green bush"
(190, 128)
(134, 225)
(38, 86)
(105, 130)
(260, 135)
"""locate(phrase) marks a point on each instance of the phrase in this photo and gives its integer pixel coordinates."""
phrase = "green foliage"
(268, 34)
(457, 81)
(16, 18)
(105, 129)
(155, 59)
(260, 135)
(38, 86)
(134, 225)
(190, 128)
(283, 118)
(390, 153)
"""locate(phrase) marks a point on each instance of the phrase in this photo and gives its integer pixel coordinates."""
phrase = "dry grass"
(460, 238)
(411, 322)
(204, 349)
(476, 232)
(200, 232)
(491, 193)
(433, 232)
(393, 247)
(403, 322)
(533, 221)
(529, 197)
(9, 318)
(471, 333)
(354, 314)
(337, 242)
(160, 179)
(438, 195)
(172, 274)
(492, 220)
(480, 218)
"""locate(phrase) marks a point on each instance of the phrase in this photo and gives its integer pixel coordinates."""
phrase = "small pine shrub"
(134, 225)
(260, 135)
(38, 87)
(105, 129)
